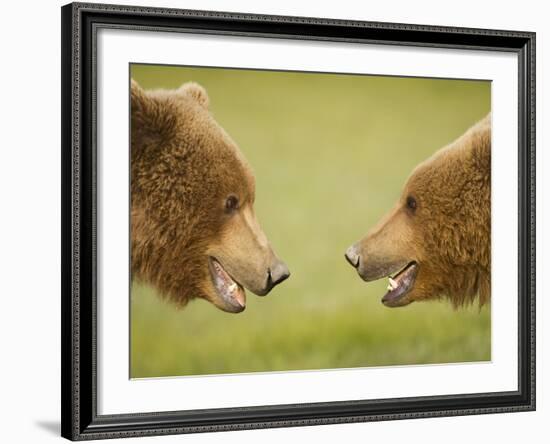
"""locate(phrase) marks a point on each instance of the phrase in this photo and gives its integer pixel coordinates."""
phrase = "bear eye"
(411, 203)
(231, 203)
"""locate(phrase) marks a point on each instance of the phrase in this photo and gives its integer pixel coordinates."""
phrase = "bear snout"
(352, 256)
(371, 266)
(276, 274)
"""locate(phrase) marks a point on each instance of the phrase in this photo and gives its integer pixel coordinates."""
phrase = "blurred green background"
(330, 155)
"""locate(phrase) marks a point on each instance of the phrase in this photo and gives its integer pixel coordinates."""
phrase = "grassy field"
(330, 154)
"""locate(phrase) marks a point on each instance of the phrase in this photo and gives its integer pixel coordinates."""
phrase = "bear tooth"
(232, 287)
(390, 288)
(393, 284)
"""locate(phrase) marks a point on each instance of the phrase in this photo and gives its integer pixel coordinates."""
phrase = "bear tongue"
(400, 284)
(234, 292)
(227, 287)
(239, 296)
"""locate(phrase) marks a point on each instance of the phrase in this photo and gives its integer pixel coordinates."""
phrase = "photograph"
(299, 221)
(274, 221)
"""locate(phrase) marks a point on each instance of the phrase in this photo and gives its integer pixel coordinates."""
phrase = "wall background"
(30, 234)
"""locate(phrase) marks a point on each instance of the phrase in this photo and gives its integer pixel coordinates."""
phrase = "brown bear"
(436, 241)
(194, 233)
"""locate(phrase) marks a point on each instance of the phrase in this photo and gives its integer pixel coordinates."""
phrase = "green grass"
(330, 154)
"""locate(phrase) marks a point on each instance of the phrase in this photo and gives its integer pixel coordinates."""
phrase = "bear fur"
(193, 229)
(437, 238)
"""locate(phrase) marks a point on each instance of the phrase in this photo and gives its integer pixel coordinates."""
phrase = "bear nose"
(352, 256)
(276, 274)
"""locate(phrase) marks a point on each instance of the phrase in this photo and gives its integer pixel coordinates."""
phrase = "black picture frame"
(78, 333)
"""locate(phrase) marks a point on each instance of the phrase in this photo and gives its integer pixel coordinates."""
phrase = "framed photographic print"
(280, 221)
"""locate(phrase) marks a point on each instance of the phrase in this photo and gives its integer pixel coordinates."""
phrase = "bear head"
(194, 233)
(436, 241)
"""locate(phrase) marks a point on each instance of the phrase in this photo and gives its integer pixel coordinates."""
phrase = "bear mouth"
(400, 285)
(230, 291)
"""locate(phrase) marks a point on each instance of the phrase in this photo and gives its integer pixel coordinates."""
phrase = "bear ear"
(140, 102)
(196, 92)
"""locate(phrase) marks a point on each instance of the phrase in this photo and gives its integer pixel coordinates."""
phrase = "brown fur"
(449, 233)
(183, 168)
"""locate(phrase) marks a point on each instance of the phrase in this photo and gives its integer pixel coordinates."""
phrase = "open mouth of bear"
(230, 291)
(400, 284)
